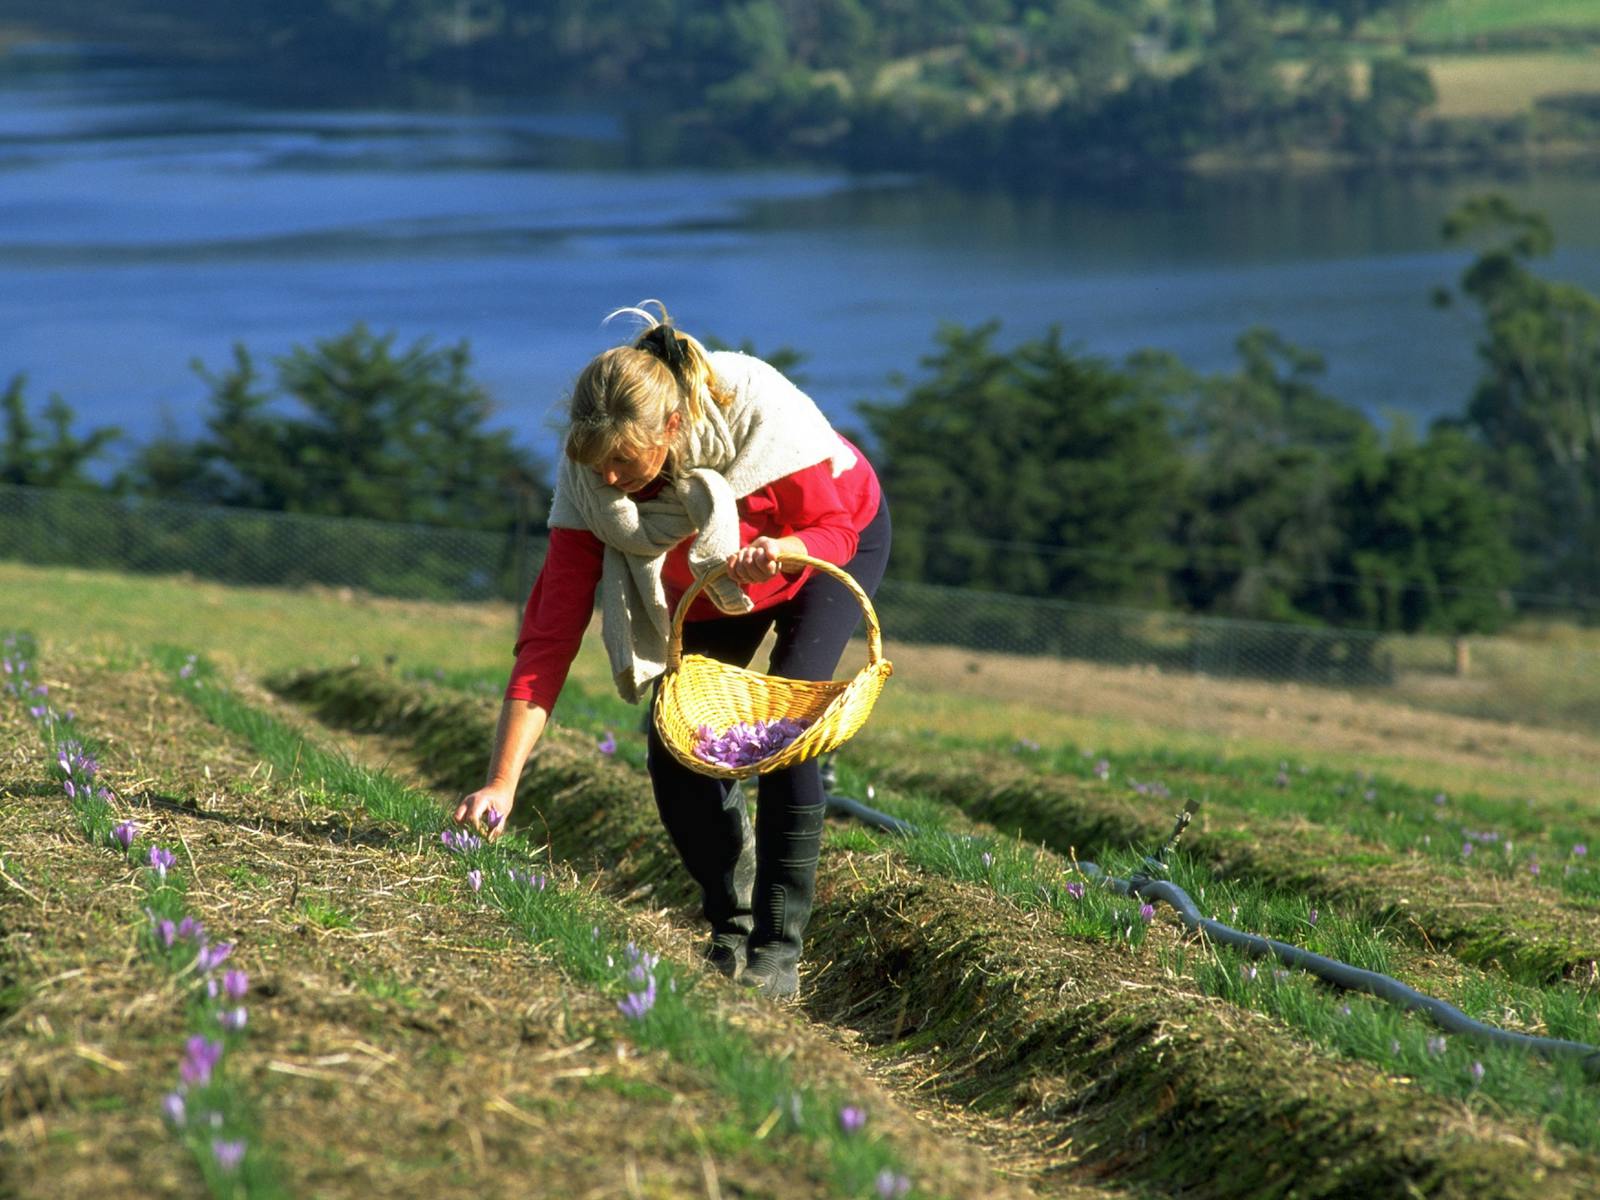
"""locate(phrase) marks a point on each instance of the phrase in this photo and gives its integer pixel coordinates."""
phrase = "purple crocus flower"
(228, 1153)
(475, 880)
(192, 929)
(1075, 890)
(161, 859)
(211, 957)
(172, 1105)
(1579, 850)
(72, 792)
(608, 744)
(1313, 917)
(891, 1184)
(988, 860)
(200, 1058)
(1147, 913)
(236, 984)
(233, 1019)
(851, 1118)
(491, 817)
(125, 833)
(167, 932)
(1476, 1071)
(637, 1004)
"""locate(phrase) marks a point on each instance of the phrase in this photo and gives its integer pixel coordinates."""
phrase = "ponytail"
(683, 355)
(626, 395)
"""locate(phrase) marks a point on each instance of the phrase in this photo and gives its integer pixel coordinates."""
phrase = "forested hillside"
(975, 87)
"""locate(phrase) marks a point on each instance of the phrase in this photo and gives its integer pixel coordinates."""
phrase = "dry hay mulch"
(1104, 1062)
(400, 1042)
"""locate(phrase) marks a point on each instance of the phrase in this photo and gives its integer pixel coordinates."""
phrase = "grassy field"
(978, 1016)
(1467, 19)
(1497, 85)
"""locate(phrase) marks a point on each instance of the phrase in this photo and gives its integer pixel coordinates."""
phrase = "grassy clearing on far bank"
(1503, 85)
(1449, 20)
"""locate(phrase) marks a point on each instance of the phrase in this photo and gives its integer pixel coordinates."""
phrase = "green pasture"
(1535, 677)
(1466, 19)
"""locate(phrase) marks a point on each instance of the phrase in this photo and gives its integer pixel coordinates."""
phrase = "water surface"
(150, 217)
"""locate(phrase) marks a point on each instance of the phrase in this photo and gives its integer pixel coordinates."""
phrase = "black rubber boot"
(717, 847)
(787, 842)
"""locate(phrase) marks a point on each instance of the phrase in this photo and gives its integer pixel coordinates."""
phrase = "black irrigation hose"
(1447, 1016)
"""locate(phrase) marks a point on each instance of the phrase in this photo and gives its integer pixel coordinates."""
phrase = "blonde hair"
(624, 399)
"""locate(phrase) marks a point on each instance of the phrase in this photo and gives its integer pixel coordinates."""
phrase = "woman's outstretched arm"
(520, 726)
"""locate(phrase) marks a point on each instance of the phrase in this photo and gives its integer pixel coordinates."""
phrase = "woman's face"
(628, 472)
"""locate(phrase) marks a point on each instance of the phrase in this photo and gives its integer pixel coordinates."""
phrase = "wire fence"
(1511, 678)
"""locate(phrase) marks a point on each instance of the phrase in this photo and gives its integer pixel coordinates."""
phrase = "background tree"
(1425, 547)
(1259, 523)
(1537, 404)
(1034, 470)
(55, 458)
(354, 428)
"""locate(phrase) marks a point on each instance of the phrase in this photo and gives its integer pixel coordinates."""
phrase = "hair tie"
(665, 345)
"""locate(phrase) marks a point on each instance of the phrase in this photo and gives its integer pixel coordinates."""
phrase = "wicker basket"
(699, 691)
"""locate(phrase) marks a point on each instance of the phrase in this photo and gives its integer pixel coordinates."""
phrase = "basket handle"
(874, 633)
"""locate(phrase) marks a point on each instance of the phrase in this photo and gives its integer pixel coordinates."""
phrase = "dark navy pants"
(812, 629)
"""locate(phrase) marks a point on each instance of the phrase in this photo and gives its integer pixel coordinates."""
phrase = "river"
(152, 216)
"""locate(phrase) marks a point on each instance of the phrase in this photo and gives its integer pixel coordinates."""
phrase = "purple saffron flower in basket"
(746, 743)
(125, 833)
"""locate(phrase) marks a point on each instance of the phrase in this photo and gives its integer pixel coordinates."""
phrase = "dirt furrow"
(1123, 1072)
(402, 1043)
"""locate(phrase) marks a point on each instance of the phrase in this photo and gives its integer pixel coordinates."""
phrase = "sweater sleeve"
(558, 612)
(808, 502)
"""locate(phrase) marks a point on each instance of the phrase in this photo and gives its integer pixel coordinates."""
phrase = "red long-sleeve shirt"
(825, 513)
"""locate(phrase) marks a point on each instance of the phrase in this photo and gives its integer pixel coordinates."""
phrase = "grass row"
(1508, 839)
(655, 997)
(1352, 1026)
(209, 1112)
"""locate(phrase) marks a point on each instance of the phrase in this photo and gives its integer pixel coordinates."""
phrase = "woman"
(678, 459)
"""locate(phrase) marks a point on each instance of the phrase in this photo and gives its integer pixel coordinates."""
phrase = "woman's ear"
(674, 420)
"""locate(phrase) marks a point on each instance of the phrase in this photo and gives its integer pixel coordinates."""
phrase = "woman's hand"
(758, 562)
(487, 810)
